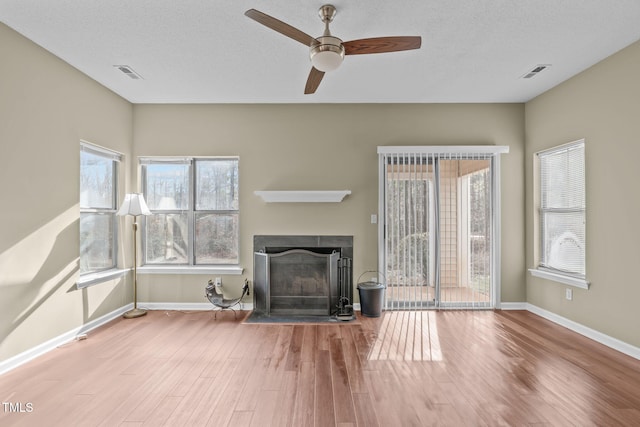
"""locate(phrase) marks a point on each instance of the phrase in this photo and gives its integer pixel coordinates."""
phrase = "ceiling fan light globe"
(326, 61)
(327, 54)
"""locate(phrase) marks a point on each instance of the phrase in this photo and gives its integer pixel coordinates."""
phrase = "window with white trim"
(195, 211)
(562, 210)
(98, 206)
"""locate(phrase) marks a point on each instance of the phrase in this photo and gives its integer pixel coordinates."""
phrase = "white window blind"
(562, 209)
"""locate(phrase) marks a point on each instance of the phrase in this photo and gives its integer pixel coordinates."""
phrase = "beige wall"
(327, 147)
(602, 105)
(46, 108)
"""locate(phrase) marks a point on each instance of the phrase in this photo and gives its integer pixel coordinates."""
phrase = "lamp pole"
(136, 312)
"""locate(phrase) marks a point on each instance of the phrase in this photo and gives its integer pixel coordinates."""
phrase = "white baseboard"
(513, 306)
(189, 306)
(604, 339)
(45, 347)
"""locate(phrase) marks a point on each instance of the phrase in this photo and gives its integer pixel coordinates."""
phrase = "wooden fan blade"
(313, 81)
(381, 45)
(280, 26)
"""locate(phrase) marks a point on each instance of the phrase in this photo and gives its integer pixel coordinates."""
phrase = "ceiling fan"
(327, 52)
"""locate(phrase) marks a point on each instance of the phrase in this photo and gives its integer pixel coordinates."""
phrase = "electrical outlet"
(218, 281)
(568, 294)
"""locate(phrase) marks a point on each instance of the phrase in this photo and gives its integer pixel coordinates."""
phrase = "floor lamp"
(134, 205)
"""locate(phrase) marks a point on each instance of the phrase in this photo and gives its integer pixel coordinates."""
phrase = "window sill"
(94, 278)
(181, 269)
(561, 278)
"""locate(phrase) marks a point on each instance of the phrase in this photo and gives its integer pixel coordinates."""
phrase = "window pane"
(409, 193)
(562, 178)
(167, 186)
(216, 238)
(96, 181)
(96, 242)
(479, 201)
(564, 240)
(217, 184)
(166, 239)
(479, 237)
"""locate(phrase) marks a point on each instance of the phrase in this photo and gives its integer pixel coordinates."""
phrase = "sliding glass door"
(438, 227)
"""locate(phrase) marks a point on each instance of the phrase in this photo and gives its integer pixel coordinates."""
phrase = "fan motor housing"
(327, 54)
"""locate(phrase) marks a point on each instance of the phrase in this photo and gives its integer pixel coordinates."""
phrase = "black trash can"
(371, 298)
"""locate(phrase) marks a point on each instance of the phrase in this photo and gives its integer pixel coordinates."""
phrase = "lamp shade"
(134, 204)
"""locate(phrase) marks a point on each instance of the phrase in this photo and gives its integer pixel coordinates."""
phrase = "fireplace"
(301, 275)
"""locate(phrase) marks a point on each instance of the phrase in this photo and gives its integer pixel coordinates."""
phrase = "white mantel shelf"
(302, 196)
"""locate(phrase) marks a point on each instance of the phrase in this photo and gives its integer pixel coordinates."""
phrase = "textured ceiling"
(196, 51)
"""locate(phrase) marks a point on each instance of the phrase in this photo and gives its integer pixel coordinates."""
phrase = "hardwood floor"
(451, 368)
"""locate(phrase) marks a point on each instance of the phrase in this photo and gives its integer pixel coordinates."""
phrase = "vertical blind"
(410, 217)
(562, 208)
(436, 227)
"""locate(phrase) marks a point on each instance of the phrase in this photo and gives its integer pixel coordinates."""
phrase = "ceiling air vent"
(537, 69)
(128, 71)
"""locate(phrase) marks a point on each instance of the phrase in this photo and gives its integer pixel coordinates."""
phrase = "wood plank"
(391, 405)
(241, 419)
(364, 339)
(231, 394)
(309, 344)
(283, 415)
(252, 392)
(277, 359)
(196, 408)
(295, 348)
(365, 410)
(265, 408)
(303, 414)
(342, 400)
(163, 411)
(324, 409)
(352, 361)
(325, 333)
